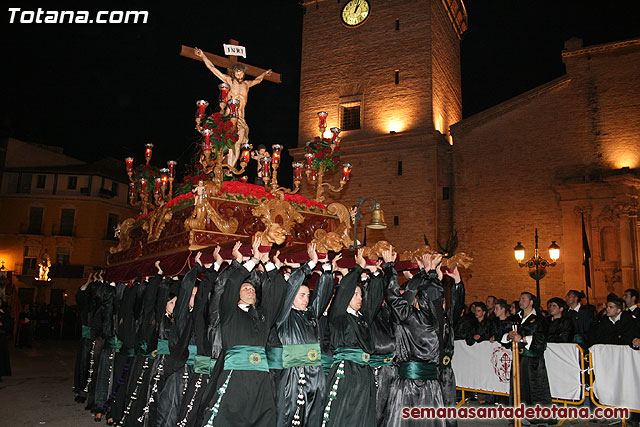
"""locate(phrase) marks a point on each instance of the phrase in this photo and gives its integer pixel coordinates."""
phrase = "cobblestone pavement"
(40, 391)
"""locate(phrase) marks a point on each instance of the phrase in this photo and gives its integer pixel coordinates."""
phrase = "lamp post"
(537, 265)
(377, 219)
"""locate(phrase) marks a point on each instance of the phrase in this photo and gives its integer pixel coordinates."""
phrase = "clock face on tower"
(355, 12)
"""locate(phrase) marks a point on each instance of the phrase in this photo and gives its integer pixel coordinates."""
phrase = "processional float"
(214, 205)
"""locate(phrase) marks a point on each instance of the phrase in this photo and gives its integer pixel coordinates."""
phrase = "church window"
(42, 180)
(397, 77)
(396, 220)
(399, 167)
(397, 25)
(350, 116)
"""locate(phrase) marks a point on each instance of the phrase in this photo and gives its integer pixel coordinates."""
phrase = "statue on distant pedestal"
(238, 90)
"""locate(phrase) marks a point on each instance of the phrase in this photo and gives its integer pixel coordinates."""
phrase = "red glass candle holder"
(224, 91)
(172, 168)
(233, 107)
(143, 185)
(322, 119)
(297, 171)
(129, 162)
(202, 105)
(148, 151)
(246, 153)
(346, 171)
(309, 158)
(335, 131)
(244, 178)
(277, 151)
(266, 166)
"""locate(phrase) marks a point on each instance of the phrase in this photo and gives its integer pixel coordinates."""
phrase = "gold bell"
(377, 218)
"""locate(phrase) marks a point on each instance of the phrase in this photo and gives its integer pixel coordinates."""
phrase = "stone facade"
(418, 42)
(542, 159)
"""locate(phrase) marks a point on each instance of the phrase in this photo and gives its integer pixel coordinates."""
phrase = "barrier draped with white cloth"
(486, 366)
(617, 375)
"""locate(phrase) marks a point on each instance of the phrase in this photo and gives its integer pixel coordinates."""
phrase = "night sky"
(104, 90)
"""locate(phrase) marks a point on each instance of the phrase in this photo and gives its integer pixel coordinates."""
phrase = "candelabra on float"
(219, 134)
(322, 156)
(139, 185)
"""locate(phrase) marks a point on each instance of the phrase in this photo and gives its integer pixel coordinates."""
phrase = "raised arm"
(236, 276)
(374, 296)
(346, 290)
(297, 278)
(225, 78)
(181, 310)
(322, 293)
(259, 79)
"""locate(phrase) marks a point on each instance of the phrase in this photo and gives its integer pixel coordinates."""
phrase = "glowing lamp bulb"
(518, 252)
(554, 251)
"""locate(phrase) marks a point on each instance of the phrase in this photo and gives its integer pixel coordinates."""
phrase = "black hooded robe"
(417, 345)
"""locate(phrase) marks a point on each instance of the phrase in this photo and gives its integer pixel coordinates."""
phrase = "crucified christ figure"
(239, 90)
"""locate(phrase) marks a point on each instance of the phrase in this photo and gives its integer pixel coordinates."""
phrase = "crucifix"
(236, 85)
(229, 61)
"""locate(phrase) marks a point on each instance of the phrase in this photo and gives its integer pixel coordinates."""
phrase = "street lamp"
(377, 219)
(537, 265)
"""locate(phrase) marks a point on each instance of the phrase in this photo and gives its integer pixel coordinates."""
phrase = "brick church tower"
(388, 74)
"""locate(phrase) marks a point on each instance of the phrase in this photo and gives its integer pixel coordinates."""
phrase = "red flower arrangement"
(323, 157)
(224, 135)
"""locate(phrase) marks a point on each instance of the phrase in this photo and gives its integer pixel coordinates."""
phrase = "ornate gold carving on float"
(156, 222)
(203, 210)
(269, 211)
(122, 233)
(339, 238)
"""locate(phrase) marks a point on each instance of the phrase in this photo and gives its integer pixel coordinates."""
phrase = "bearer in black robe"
(301, 389)
(452, 311)
(125, 350)
(417, 342)
(351, 389)
(178, 366)
(616, 327)
(166, 299)
(82, 356)
(6, 329)
(244, 394)
(198, 330)
(530, 336)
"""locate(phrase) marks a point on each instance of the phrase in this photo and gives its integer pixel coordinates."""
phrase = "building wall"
(539, 160)
(341, 64)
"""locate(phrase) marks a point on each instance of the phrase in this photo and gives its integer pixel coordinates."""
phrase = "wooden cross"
(229, 61)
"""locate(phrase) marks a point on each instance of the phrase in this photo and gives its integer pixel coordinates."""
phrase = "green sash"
(246, 358)
(163, 347)
(380, 360)
(117, 344)
(529, 353)
(274, 357)
(86, 331)
(352, 354)
(203, 364)
(327, 362)
(301, 355)
(418, 370)
(193, 350)
(110, 343)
